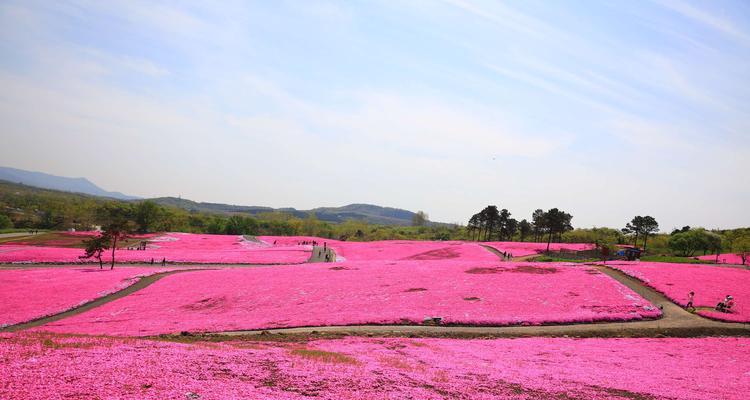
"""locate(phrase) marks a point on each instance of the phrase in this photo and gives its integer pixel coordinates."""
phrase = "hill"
(47, 181)
(372, 214)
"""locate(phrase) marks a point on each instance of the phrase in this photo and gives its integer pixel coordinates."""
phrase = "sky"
(604, 109)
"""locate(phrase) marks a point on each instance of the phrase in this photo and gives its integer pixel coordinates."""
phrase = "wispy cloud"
(707, 19)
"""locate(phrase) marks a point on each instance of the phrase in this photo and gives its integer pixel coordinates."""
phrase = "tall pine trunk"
(549, 240)
(114, 246)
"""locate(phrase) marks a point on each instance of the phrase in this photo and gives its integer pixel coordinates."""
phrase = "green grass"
(675, 259)
(563, 259)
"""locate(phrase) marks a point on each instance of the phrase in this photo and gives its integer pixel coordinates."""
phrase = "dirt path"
(675, 322)
(140, 284)
(494, 251)
(500, 254)
(15, 235)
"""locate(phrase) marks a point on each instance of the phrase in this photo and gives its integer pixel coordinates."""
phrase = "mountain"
(47, 181)
(365, 212)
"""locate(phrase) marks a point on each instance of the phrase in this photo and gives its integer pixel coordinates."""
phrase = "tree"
(524, 229)
(556, 222)
(420, 218)
(117, 224)
(474, 226)
(741, 247)
(648, 226)
(641, 226)
(490, 218)
(633, 228)
(5, 222)
(538, 224)
(241, 225)
(508, 229)
(95, 247)
(147, 214)
(687, 243)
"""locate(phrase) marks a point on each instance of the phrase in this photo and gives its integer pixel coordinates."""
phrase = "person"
(163, 261)
(730, 304)
(152, 261)
(690, 307)
(726, 304)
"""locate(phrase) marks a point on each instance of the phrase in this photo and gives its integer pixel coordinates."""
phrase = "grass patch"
(546, 258)
(61, 239)
(324, 356)
(675, 259)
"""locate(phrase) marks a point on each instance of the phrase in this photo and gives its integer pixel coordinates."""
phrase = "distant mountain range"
(367, 212)
(47, 181)
(364, 212)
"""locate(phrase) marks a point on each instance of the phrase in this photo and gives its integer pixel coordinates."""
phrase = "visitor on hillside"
(152, 261)
(726, 304)
(163, 261)
(689, 306)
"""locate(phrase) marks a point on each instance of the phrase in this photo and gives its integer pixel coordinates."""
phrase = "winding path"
(675, 321)
(142, 283)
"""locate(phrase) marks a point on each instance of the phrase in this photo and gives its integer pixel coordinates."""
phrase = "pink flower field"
(726, 258)
(52, 367)
(520, 249)
(710, 284)
(174, 247)
(405, 250)
(34, 293)
(365, 293)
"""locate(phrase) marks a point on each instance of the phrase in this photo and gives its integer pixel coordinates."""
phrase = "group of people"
(306, 242)
(163, 261)
(328, 255)
(507, 256)
(141, 246)
(724, 306)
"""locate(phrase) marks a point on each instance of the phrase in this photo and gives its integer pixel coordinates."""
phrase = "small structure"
(630, 253)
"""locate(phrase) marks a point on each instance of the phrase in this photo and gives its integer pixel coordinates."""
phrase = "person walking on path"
(690, 307)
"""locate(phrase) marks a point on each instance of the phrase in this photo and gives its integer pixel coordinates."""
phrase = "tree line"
(491, 223)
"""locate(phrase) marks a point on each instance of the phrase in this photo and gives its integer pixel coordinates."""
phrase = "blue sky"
(604, 109)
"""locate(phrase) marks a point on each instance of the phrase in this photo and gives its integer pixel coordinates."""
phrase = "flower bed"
(405, 250)
(174, 247)
(49, 366)
(34, 293)
(726, 258)
(520, 249)
(365, 293)
(710, 284)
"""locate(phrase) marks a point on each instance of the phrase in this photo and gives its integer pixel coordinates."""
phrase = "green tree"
(241, 225)
(687, 243)
(524, 229)
(648, 226)
(5, 222)
(420, 218)
(741, 247)
(147, 215)
(95, 247)
(556, 222)
(117, 223)
(538, 224)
